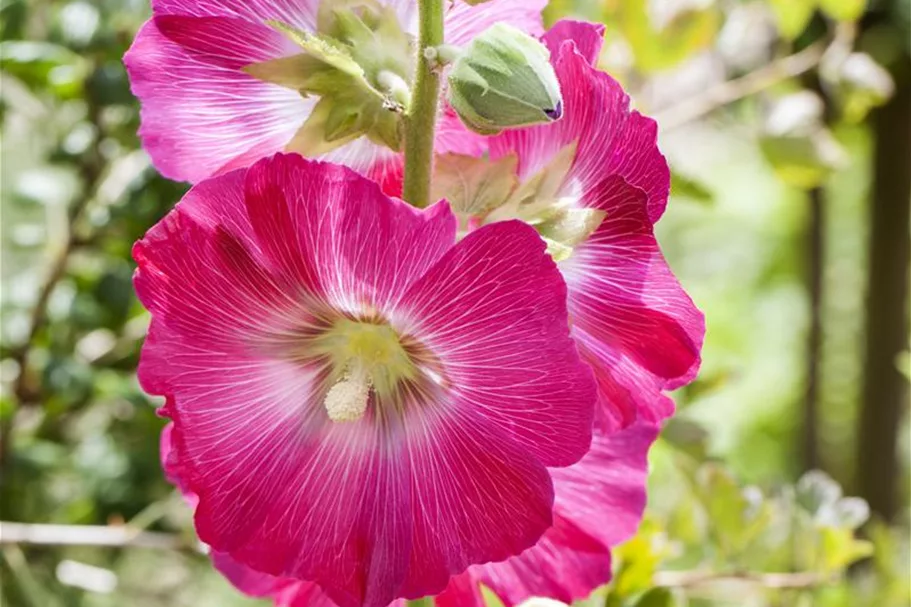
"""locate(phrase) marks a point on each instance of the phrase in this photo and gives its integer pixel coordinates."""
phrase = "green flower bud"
(504, 79)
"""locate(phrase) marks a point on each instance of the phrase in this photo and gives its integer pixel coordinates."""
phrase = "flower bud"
(504, 79)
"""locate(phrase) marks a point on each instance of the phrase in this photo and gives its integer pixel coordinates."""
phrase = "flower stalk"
(420, 125)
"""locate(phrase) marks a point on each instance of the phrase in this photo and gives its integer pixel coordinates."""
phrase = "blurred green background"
(787, 124)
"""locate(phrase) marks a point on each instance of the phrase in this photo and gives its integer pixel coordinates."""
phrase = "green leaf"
(687, 187)
(803, 161)
(793, 16)
(860, 85)
(657, 597)
(663, 47)
(724, 503)
(687, 436)
(639, 559)
(840, 548)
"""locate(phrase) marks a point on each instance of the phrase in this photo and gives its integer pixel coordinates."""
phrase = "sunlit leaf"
(843, 10)
(657, 597)
(687, 187)
(657, 47)
(792, 16)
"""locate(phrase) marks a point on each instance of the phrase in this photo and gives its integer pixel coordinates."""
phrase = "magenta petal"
(605, 493)
(304, 214)
(599, 503)
(634, 324)
(200, 118)
(566, 564)
(297, 13)
(586, 38)
(464, 21)
(203, 116)
(223, 42)
(493, 310)
(626, 303)
(248, 581)
(611, 139)
(389, 506)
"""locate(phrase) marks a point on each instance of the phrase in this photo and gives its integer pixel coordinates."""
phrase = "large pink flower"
(203, 115)
(598, 504)
(632, 320)
(357, 400)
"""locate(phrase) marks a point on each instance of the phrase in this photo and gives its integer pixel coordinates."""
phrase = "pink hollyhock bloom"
(633, 322)
(203, 115)
(357, 400)
(598, 504)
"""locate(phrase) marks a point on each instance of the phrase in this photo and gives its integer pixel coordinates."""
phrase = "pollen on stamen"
(346, 401)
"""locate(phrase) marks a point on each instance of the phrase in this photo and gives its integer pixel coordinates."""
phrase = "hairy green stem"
(420, 124)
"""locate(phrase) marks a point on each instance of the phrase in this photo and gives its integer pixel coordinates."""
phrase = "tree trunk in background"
(885, 389)
(815, 260)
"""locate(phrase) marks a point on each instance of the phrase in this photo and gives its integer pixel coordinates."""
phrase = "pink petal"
(599, 503)
(611, 139)
(297, 13)
(634, 324)
(626, 304)
(337, 233)
(464, 22)
(605, 493)
(201, 115)
(587, 38)
(249, 581)
(503, 338)
(388, 506)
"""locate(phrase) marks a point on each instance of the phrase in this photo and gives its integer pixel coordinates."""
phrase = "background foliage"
(783, 203)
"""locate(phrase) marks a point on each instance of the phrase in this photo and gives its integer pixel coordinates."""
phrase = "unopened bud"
(504, 79)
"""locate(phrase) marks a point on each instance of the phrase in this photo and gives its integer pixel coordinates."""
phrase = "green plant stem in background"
(427, 601)
(420, 124)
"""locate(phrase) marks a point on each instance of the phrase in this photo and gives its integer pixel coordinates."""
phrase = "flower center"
(364, 358)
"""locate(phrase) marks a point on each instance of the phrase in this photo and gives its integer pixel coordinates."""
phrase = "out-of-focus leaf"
(803, 161)
(657, 597)
(795, 142)
(792, 16)
(816, 490)
(840, 548)
(639, 559)
(686, 435)
(843, 10)
(490, 597)
(45, 65)
(664, 46)
(860, 85)
(687, 187)
(724, 503)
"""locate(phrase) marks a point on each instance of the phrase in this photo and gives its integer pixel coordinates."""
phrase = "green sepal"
(474, 186)
(345, 72)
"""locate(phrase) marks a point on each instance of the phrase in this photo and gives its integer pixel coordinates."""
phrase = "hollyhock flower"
(205, 113)
(598, 504)
(594, 184)
(357, 400)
